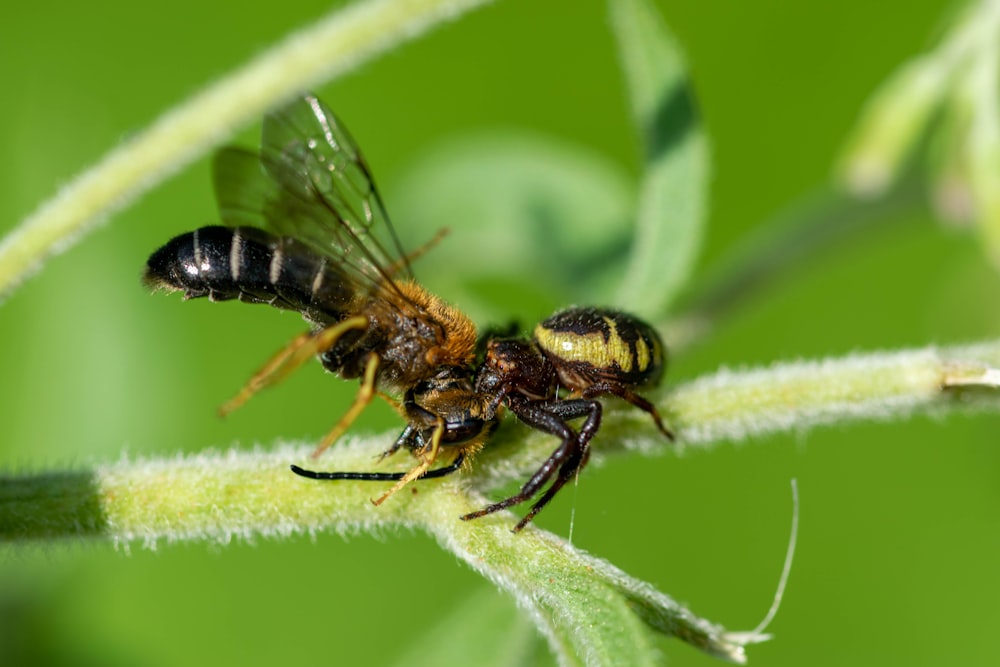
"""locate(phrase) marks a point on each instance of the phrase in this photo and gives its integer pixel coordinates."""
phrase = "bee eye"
(463, 431)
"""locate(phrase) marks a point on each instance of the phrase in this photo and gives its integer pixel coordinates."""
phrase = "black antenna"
(380, 476)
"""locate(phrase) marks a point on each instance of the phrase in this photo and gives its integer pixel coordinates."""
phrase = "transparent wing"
(310, 182)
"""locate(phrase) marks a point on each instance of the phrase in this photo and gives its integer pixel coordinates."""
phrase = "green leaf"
(671, 210)
(486, 625)
(983, 146)
(892, 125)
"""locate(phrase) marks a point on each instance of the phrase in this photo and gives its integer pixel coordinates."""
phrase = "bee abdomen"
(249, 264)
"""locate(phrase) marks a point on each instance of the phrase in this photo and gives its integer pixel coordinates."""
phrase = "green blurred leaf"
(892, 125)
(671, 210)
(983, 146)
(530, 218)
(486, 625)
(944, 100)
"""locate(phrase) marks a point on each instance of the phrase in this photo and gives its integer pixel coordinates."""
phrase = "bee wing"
(310, 182)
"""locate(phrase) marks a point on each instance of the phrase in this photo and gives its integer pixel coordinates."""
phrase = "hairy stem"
(589, 610)
(216, 496)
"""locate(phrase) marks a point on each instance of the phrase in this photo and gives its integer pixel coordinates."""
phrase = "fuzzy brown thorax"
(456, 336)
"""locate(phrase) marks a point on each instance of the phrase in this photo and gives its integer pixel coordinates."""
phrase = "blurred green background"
(900, 536)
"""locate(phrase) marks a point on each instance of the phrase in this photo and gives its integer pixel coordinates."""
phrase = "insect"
(590, 352)
(306, 230)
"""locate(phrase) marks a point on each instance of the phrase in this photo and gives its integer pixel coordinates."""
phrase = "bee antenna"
(379, 476)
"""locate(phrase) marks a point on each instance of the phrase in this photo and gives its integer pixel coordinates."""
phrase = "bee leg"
(261, 378)
(293, 355)
(361, 401)
(407, 434)
(633, 398)
(568, 458)
(406, 439)
(427, 458)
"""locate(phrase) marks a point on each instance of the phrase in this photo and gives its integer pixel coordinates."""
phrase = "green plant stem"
(218, 496)
(335, 44)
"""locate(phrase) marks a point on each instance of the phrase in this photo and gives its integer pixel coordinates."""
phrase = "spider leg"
(615, 389)
(567, 471)
(567, 459)
(581, 454)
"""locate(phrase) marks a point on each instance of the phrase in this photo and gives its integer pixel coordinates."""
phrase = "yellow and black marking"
(601, 343)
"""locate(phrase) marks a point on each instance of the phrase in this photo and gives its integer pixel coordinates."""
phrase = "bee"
(305, 229)
(589, 352)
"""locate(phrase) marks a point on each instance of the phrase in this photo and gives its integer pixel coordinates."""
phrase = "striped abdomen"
(588, 345)
(253, 266)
